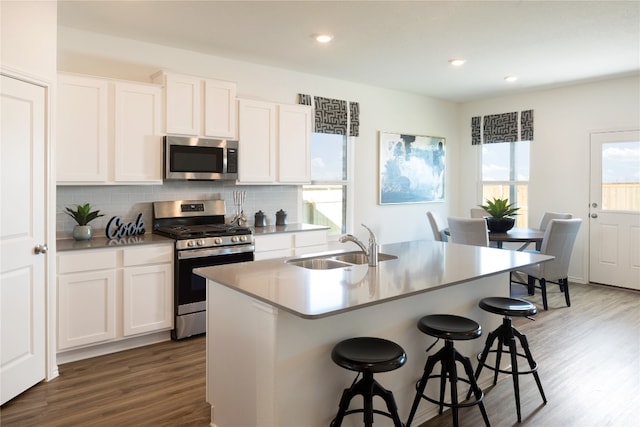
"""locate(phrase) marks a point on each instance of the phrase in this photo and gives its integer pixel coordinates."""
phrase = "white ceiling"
(402, 45)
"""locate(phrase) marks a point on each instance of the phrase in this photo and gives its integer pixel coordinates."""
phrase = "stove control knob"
(217, 241)
(243, 238)
(190, 243)
(234, 239)
(201, 242)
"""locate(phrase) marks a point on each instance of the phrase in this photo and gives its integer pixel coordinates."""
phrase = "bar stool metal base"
(506, 335)
(368, 355)
(449, 327)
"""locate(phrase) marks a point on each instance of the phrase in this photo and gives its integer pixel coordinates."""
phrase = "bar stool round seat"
(368, 355)
(513, 307)
(450, 328)
(506, 335)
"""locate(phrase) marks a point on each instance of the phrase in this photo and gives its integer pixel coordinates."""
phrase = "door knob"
(594, 215)
(594, 205)
(41, 249)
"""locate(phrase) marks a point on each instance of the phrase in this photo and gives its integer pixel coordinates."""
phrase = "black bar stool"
(506, 335)
(368, 355)
(449, 327)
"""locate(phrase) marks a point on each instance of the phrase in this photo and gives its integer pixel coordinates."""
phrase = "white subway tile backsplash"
(128, 201)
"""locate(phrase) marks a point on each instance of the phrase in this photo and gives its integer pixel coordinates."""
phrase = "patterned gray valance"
(331, 115)
(354, 122)
(526, 125)
(475, 130)
(502, 128)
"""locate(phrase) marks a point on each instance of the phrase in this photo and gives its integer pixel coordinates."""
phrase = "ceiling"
(400, 45)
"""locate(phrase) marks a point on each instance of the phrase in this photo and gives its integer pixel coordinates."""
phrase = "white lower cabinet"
(106, 295)
(280, 245)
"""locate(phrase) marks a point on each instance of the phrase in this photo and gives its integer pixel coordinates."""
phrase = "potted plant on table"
(501, 215)
(83, 215)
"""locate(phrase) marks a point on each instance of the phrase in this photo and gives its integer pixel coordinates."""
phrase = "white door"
(614, 224)
(22, 230)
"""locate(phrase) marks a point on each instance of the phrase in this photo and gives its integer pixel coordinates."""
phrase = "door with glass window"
(614, 209)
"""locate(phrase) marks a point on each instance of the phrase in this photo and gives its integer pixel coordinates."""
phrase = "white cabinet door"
(183, 96)
(23, 124)
(86, 308)
(82, 140)
(257, 136)
(220, 118)
(294, 144)
(138, 140)
(147, 298)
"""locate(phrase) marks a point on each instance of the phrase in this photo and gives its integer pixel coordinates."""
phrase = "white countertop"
(421, 266)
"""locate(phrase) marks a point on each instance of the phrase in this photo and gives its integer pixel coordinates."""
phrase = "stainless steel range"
(202, 240)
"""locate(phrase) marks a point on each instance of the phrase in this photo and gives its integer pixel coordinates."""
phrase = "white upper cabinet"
(220, 119)
(197, 106)
(294, 144)
(274, 143)
(82, 138)
(109, 132)
(138, 126)
(257, 142)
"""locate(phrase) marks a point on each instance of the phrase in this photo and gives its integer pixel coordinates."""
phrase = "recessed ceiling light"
(322, 38)
(510, 79)
(456, 62)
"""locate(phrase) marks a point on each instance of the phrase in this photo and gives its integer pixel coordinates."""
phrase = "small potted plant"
(83, 215)
(501, 215)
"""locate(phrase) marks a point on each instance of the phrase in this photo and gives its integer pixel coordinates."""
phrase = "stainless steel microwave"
(200, 159)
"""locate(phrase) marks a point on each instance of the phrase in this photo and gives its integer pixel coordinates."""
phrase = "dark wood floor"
(589, 357)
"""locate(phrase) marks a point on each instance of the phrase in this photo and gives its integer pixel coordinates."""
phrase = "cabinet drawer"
(87, 261)
(310, 238)
(148, 255)
(273, 243)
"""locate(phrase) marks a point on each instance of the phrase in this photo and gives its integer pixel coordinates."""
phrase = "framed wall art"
(412, 168)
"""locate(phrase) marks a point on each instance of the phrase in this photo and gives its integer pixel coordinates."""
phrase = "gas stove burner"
(202, 230)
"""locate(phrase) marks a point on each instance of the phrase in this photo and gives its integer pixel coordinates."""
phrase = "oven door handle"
(201, 253)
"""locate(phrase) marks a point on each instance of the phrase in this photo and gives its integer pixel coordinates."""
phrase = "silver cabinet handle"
(594, 215)
(41, 249)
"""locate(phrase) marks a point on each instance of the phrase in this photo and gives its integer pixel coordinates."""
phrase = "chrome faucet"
(371, 252)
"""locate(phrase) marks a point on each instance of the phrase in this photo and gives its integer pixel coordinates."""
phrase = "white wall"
(90, 53)
(28, 42)
(563, 121)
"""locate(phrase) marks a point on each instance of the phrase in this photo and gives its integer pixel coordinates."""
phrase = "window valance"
(331, 115)
(502, 128)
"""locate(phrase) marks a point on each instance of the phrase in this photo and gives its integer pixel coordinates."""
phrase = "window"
(325, 199)
(505, 173)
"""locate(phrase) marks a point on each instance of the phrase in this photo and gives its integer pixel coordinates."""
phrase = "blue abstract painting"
(412, 168)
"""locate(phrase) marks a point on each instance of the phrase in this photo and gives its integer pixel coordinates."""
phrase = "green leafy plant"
(499, 208)
(83, 214)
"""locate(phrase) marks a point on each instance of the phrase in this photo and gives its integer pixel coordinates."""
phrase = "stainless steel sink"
(360, 258)
(329, 261)
(318, 263)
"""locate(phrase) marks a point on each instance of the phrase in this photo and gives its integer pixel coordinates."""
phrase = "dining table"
(522, 235)
(518, 235)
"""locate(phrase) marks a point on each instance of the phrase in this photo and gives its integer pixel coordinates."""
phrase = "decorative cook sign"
(117, 229)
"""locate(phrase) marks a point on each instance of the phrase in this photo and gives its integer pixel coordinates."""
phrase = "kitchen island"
(271, 327)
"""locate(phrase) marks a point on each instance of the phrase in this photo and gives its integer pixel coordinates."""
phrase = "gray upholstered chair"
(559, 238)
(548, 216)
(437, 227)
(478, 213)
(468, 231)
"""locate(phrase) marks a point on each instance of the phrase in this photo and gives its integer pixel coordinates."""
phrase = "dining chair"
(558, 241)
(437, 227)
(468, 231)
(478, 213)
(548, 216)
